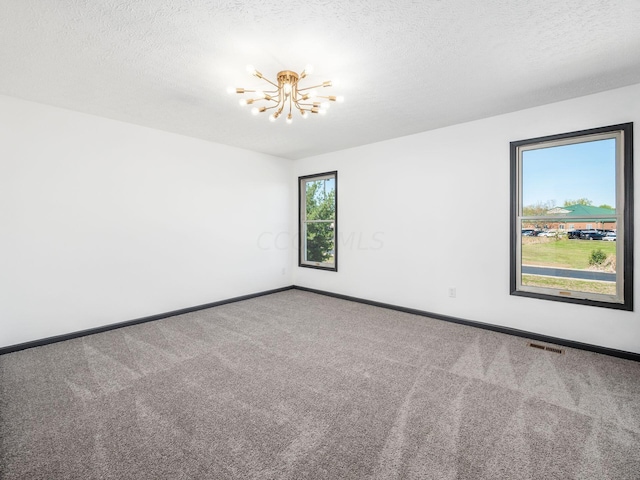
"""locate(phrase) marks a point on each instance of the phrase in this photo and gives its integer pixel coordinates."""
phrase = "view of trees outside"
(320, 220)
(541, 208)
(561, 179)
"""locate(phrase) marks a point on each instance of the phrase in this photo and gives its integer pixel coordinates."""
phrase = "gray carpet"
(296, 385)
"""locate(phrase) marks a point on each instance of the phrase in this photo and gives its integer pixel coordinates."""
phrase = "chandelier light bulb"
(243, 102)
(339, 99)
(255, 111)
(260, 94)
(231, 90)
(313, 92)
(251, 69)
(287, 88)
(326, 105)
(289, 119)
(322, 111)
(272, 117)
(305, 115)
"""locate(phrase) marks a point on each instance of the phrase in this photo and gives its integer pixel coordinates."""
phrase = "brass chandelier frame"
(287, 96)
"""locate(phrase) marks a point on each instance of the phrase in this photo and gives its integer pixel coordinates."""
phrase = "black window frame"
(301, 220)
(626, 185)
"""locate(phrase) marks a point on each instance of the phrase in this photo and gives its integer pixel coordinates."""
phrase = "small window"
(580, 182)
(318, 202)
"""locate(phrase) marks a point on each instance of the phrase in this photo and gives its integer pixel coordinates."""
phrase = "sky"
(569, 172)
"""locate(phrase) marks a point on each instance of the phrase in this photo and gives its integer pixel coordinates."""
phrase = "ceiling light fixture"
(287, 96)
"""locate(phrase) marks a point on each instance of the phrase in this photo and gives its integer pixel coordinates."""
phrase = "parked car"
(528, 232)
(610, 237)
(573, 234)
(591, 235)
(548, 233)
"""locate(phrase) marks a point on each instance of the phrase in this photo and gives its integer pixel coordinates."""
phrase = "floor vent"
(554, 350)
(548, 349)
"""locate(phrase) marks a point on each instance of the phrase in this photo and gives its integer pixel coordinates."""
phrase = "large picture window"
(318, 200)
(572, 217)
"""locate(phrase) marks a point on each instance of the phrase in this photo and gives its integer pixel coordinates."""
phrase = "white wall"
(423, 213)
(103, 221)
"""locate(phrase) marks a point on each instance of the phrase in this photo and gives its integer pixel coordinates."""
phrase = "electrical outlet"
(452, 292)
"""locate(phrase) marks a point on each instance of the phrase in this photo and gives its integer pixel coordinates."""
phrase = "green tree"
(320, 205)
(538, 209)
(580, 201)
(604, 205)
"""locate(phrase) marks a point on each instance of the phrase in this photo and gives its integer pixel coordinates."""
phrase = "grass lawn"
(608, 288)
(562, 253)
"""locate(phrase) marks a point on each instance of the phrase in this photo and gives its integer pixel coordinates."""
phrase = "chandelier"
(287, 97)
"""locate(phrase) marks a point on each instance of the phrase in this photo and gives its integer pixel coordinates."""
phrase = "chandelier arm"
(269, 81)
(267, 99)
(300, 106)
(315, 86)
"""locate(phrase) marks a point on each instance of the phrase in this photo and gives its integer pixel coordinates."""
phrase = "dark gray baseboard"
(486, 326)
(113, 326)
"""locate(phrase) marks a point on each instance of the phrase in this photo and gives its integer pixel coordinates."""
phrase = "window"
(318, 203)
(582, 180)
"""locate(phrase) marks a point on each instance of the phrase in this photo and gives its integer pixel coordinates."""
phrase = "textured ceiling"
(403, 66)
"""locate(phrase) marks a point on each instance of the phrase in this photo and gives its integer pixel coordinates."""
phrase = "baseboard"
(113, 326)
(486, 326)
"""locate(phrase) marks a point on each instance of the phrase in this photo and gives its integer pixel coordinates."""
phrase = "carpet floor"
(296, 385)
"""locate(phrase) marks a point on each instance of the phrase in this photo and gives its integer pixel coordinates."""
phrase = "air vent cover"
(547, 348)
